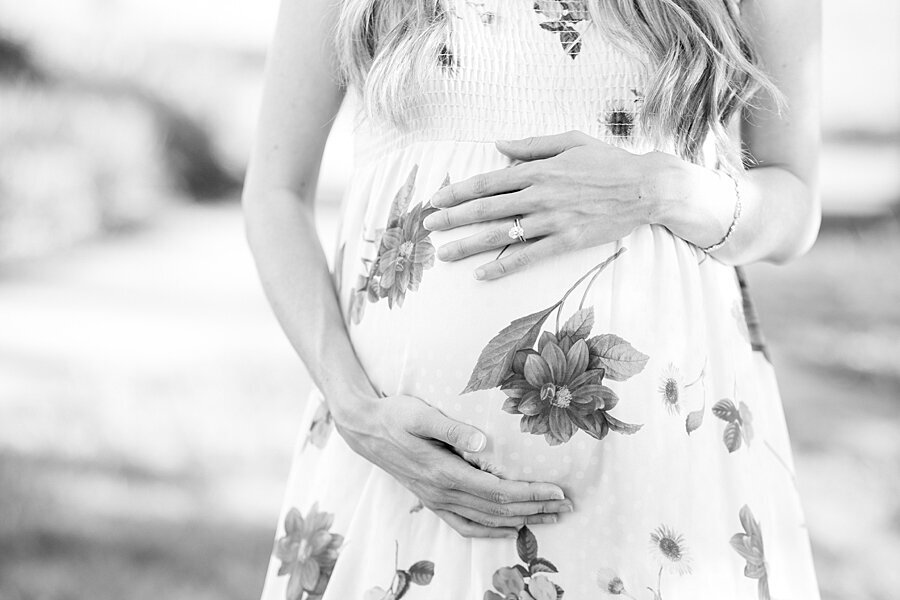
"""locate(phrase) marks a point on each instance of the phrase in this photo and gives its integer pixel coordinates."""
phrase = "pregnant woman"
(537, 370)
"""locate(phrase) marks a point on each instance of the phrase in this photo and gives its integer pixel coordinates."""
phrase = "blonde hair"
(705, 66)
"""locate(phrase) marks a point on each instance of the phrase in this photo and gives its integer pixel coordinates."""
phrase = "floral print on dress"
(558, 388)
(404, 252)
(611, 584)
(419, 573)
(308, 552)
(749, 545)
(526, 581)
(564, 14)
(618, 117)
(670, 552)
(320, 428)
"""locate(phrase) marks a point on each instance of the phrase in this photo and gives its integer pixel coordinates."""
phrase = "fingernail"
(442, 253)
(567, 507)
(427, 223)
(477, 442)
(557, 495)
(479, 273)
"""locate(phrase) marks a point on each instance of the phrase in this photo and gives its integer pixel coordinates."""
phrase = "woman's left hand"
(570, 190)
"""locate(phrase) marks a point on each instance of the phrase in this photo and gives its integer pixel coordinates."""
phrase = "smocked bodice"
(514, 69)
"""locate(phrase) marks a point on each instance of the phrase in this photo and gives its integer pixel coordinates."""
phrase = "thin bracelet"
(734, 219)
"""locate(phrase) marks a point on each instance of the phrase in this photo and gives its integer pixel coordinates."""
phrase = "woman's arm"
(780, 197)
(575, 191)
(403, 435)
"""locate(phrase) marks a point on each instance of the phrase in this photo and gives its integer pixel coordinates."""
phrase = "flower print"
(308, 552)
(670, 388)
(559, 387)
(749, 545)
(320, 427)
(619, 122)
(611, 584)
(404, 252)
(556, 392)
(618, 117)
(670, 550)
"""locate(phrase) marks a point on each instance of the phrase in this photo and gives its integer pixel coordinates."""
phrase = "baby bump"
(548, 361)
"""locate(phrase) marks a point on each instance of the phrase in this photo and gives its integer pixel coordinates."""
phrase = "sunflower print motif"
(558, 387)
(404, 253)
(668, 549)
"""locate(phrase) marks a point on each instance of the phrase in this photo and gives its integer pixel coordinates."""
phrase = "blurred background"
(149, 402)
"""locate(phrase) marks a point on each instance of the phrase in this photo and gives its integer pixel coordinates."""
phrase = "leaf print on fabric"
(404, 252)
(739, 423)
(564, 14)
(320, 427)
(308, 552)
(558, 387)
(419, 573)
(749, 545)
(525, 581)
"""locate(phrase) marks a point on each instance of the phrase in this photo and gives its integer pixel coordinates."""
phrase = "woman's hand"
(415, 443)
(572, 191)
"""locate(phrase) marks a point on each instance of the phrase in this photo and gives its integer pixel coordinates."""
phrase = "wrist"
(351, 406)
(689, 200)
(666, 182)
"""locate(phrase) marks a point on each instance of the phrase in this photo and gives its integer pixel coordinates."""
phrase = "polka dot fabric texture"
(632, 374)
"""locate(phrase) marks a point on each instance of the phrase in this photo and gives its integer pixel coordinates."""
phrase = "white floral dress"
(631, 374)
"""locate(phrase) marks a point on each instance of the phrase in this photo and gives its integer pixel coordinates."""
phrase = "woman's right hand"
(415, 443)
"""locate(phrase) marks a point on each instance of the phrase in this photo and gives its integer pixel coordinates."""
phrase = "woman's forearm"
(780, 213)
(282, 235)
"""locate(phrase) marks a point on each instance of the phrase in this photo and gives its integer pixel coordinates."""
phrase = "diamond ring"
(517, 231)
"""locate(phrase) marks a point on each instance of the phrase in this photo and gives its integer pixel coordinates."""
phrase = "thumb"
(543, 146)
(456, 433)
